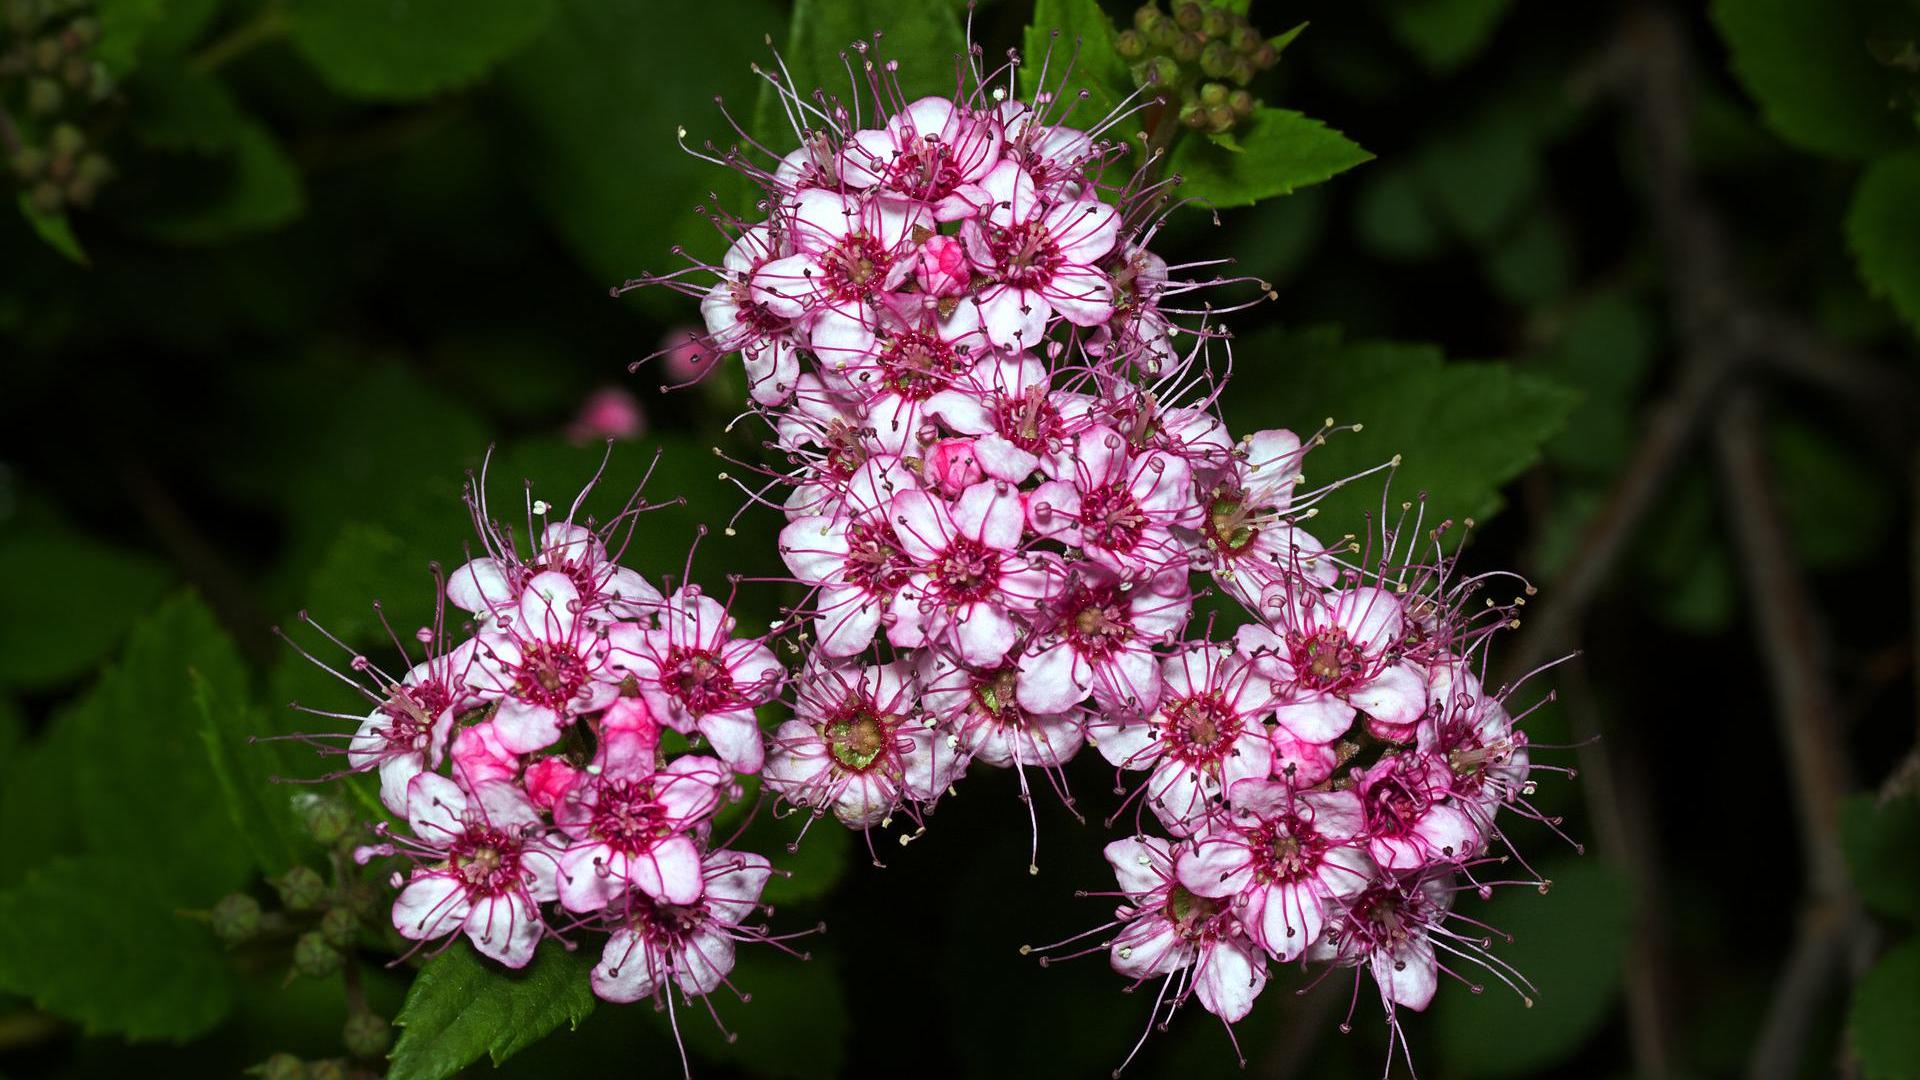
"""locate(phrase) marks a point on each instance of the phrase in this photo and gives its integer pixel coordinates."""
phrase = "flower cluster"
(561, 767)
(1008, 478)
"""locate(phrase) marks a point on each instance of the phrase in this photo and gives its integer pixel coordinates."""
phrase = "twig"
(1788, 627)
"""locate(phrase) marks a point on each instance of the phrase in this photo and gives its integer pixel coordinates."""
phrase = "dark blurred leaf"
(1393, 218)
(1481, 179)
(462, 1006)
(39, 815)
(1272, 241)
(397, 50)
(796, 1025)
(1569, 943)
(1880, 1022)
(89, 940)
(1445, 33)
(1807, 64)
(1686, 556)
(1533, 263)
(147, 795)
(1880, 841)
(599, 96)
(923, 35)
(1837, 504)
(1883, 229)
(1462, 429)
(253, 185)
(815, 869)
(1281, 150)
(261, 811)
(132, 29)
(76, 605)
(1604, 350)
(1085, 37)
(55, 229)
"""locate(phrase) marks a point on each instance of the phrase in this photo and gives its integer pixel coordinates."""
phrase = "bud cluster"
(51, 81)
(1201, 57)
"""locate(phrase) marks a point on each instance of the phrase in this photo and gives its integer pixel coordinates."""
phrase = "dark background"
(273, 402)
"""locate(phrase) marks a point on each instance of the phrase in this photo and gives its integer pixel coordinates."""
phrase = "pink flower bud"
(942, 269)
(608, 413)
(548, 781)
(952, 467)
(688, 354)
(479, 757)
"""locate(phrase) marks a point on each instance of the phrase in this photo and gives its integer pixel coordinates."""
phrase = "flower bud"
(326, 819)
(280, 1067)
(1193, 115)
(1214, 22)
(46, 54)
(1158, 71)
(67, 139)
(549, 779)
(1129, 44)
(1212, 94)
(1266, 55)
(300, 889)
(46, 197)
(1244, 39)
(366, 1034)
(942, 268)
(1220, 119)
(952, 467)
(1186, 48)
(611, 412)
(313, 957)
(29, 162)
(1188, 15)
(1216, 59)
(339, 927)
(330, 1069)
(1241, 103)
(44, 97)
(236, 918)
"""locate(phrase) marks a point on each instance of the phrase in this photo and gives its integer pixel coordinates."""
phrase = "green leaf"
(124, 24)
(1808, 65)
(1605, 350)
(1883, 230)
(261, 810)
(1837, 503)
(1534, 264)
(795, 1027)
(146, 792)
(1281, 150)
(1462, 429)
(1445, 34)
(596, 100)
(462, 1006)
(39, 816)
(1481, 180)
(399, 50)
(1569, 943)
(1880, 1021)
(90, 941)
(1880, 842)
(1393, 218)
(1085, 36)
(244, 181)
(60, 621)
(55, 229)
(923, 35)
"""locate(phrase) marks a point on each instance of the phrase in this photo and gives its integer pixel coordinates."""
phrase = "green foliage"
(1880, 1022)
(400, 51)
(38, 814)
(242, 181)
(1883, 229)
(462, 1006)
(1086, 37)
(1880, 841)
(1835, 500)
(923, 35)
(146, 793)
(90, 941)
(64, 618)
(1462, 429)
(1445, 34)
(1569, 943)
(795, 1027)
(1605, 349)
(1280, 151)
(54, 229)
(260, 810)
(1808, 64)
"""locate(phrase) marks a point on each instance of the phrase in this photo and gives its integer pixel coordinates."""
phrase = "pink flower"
(695, 676)
(1333, 653)
(1205, 736)
(952, 467)
(1041, 255)
(1119, 505)
(688, 354)
(478, 756)
(1285, 859)
(608, 413)
(982, 710)
(690, 943)
(738, 321)
(1097, 640)
(1390, 928)
(1249, 537)
(1410, 822)
(491, 873)
(1167, 928)
(407, 734)
(857, 745)
(933, 152)
(967, 583)
(544, 665)
(943, 269)
(629, 831)
(847, 250)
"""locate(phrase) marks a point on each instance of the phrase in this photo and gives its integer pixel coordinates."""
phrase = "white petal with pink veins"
(990, 513)
(1085, 229)
(1013, 318)
(822, 218)
(504, 928)
(921, 525)
(1054, 508)
(1293, 919)
(1315, 718)
(1217, 866)
(1230, 977)
(524, 727)
(1053, 680)
(735, 880)
(815, 548)
(1082, 294)
(1149, 947)
(436, 807)
(985, 634)
(843, 335)
(1140, 864)
(848, 617)
(1398, 695)
(480, 586)
(787, 286)
(669, 872)
(736, 738)
(704, 961)
(626, 971)
(1448, 832)
(430, 906)
(1407, 976)
(1012, 192)
(1371, 616)
(549, 608)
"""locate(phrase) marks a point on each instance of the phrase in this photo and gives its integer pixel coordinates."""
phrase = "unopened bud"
(1214, 22)
(1220, 119)
(1130, 45)
(29, 162)
(1213, 93)
(366, 1035)
(1186, 48)
(1241, 103)
(1193, 115)
(280, 1067)
(300, 889)
(313, 957)
(1216, 60)
(236, 919)
(44, 97)
(67, 139)
(1188, 15)
(326, 818)
(46, 197)
(330, 1069)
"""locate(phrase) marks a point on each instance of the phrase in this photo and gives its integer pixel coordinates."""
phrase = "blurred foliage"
(281, 273)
